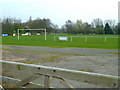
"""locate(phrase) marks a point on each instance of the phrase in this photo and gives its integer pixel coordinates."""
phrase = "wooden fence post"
(46, 81)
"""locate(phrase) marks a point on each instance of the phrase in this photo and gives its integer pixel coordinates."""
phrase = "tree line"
(11, 25)
(97, 26)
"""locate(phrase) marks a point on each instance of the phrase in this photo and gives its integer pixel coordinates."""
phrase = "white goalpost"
(18, 31)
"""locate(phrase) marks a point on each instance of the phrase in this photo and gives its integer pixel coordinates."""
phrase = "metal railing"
(16, 75)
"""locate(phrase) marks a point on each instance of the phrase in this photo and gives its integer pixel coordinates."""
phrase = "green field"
(92, 42)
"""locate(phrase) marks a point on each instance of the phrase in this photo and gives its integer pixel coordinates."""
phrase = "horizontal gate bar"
(15, 69)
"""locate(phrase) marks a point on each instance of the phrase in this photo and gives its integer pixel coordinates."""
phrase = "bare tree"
(97, 23)
(110, 22)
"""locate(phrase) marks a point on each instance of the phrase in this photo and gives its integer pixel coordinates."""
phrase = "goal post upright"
(18, 34)
(45, 34)
(30, 29)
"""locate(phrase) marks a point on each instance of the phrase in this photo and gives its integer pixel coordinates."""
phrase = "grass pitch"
(92, 42)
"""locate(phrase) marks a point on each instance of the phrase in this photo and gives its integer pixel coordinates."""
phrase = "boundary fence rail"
(86, 37)
(18, 75)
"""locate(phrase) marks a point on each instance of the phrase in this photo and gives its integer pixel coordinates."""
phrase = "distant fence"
(85, 37)
(18, 75)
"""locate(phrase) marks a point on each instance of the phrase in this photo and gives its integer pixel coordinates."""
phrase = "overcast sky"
(59, 11)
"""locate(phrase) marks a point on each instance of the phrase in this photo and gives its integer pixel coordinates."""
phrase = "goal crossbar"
(18, 31)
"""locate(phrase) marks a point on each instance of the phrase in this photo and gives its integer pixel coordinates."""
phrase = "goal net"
(18, 31)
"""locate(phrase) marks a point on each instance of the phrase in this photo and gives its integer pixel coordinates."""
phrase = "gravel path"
(101, 61)
(90, 60)
(82, 51)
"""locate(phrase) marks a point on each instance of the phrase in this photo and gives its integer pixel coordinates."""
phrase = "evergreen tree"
(107, 29)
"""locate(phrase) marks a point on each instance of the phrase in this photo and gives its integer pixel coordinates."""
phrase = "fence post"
(46, 81)
(86, 39)
(71, 38)
(54, 38)
(105, 38)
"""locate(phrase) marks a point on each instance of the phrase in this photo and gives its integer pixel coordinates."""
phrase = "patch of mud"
(30, 57)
